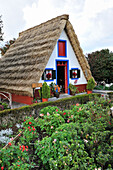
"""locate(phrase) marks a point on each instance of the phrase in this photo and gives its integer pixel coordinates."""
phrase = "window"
(62, 48)
(74, 73)
(49, 74)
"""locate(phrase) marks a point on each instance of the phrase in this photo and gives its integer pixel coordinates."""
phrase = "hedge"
(12, 116)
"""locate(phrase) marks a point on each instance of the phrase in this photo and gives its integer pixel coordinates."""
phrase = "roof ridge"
(64, 16)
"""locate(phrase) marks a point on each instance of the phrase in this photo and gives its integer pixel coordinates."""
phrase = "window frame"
(77, 73)
(60, 40)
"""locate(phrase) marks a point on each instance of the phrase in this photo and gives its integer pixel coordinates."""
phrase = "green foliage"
(72, 88)
(90, 84)
(111, 87)
(79, 138)
(101, 65)
(6, 46)
(45, 91)
(16, 155)
(49, 123)
(3, 106)
(52, 87)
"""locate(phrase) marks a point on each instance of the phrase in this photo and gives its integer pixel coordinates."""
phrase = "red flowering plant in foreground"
(83, 141)
(17, 153)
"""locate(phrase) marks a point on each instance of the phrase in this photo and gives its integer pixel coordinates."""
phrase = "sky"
(91, 19)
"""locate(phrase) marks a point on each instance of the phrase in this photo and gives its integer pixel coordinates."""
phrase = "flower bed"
(78, 138)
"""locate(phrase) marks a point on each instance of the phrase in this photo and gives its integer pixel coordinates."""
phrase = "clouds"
(91, 19)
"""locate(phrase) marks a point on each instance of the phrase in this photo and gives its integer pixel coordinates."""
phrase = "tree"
(1, 26)
(6, 46)
(101, 64)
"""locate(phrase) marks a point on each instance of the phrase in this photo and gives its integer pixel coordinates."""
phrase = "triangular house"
(48, 52)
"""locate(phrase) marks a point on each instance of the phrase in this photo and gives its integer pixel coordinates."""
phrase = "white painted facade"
(73, 62)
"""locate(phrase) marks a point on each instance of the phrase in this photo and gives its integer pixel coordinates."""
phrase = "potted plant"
(45, 92)
(52, 88)
(73, 89)
(90, 85)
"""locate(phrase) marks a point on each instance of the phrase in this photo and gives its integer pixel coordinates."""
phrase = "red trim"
(66, 80)
(22, 99)
(64, 63)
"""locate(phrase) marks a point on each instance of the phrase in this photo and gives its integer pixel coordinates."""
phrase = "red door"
(62, 80)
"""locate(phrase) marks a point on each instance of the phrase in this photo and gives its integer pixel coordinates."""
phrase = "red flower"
(109, 123)
(28, 127)
(23, 148)
(18, 165)
(48, 75)
(20, 147)
(27, 147)
(74, 74)
(56, 110)
(34, 129)
(2, 168)
(30, 123)
(64, 113)
(24, 120)
(100, 116)
(9, 143)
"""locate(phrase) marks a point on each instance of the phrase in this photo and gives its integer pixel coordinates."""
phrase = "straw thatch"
(25, 61)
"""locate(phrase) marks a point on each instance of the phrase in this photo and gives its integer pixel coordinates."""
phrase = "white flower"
(86, 141)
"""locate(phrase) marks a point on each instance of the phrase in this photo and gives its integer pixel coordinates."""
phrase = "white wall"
(73, 62)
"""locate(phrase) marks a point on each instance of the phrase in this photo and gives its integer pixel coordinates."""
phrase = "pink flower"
(28, 127)
(64, 113)
(48, 114)
(80, 108)
(41, 114)
(12, 139)
(51, 127)
(72, 116)
(68, 121)
(77, 104)
(56, 132)
(43, 147)
(56, 110)
(54, 140)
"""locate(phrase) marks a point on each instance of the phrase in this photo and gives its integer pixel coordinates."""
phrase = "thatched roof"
(25, 61)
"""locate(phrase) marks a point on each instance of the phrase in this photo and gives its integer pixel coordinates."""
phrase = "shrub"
(83, 141)
(91, 84)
